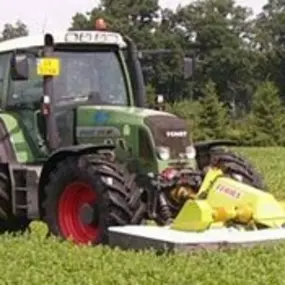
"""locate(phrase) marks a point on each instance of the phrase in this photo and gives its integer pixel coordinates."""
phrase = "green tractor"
(79, 150)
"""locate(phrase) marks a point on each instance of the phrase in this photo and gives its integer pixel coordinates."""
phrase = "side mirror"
(159, 102)
(147, 71)
(20, 67)
(159, 99)
(188, 67)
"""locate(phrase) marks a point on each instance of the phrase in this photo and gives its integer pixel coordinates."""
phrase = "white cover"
(212, 236)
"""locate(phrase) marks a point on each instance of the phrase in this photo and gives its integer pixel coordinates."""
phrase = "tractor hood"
(133, 126)
(104, 115)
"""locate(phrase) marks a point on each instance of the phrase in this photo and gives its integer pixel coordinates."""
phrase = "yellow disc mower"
(224, 211)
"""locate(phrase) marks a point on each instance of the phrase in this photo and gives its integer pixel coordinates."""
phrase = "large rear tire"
(84, 196)
(237, 167)
(8, 222)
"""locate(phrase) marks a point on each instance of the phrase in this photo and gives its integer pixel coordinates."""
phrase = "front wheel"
(83, 201)
(237, 167)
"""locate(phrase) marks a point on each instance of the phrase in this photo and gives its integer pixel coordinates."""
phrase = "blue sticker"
(101, 117)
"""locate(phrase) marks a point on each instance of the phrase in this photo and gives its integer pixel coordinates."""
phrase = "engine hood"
(101, 124)
(90, 115)
(135, 127)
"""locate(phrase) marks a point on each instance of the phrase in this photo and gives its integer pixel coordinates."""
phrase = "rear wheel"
(8, 222)
(85, 196)
(237, 167)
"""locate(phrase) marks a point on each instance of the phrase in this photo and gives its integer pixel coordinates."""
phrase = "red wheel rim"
(73, 197)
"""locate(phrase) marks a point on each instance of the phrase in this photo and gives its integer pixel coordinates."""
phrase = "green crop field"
(34, 260)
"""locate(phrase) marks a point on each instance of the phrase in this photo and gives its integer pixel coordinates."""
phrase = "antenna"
(44, 24)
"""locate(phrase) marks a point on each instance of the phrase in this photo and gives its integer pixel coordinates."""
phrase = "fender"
(203, 150)
(207, 145)
(59, 155)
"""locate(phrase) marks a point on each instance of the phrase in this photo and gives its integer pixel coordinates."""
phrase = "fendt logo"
(90, 37)
(229, 191)
(176, 134)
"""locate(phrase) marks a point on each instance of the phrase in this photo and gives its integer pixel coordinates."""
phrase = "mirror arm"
(41, 142)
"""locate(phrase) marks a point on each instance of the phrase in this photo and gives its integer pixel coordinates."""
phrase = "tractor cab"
(87, 87)
(45, 78)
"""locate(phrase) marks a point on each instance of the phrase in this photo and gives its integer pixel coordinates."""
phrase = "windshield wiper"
(90, 96)
(74, 98)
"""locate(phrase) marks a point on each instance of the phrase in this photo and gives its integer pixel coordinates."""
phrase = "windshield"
(95, 76)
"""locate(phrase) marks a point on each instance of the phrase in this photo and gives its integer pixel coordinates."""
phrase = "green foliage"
(267, 120)
(221, 29)
(212, 115)
(269, 161)
(13, 31)
(30, 260)
(150, 93)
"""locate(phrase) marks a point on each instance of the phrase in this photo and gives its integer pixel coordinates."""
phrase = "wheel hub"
(238, 177)
(88, 214)
(78, 213)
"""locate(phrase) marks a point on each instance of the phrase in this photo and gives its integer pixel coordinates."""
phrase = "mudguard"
(203, 149)
(207, 145)
(64, 152)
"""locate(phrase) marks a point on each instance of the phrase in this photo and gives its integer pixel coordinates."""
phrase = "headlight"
(190, 152)
(163, 152)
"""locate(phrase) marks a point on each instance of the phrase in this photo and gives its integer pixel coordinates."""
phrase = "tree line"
(238, 87)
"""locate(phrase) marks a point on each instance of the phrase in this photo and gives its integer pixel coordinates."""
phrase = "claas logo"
(229, 191)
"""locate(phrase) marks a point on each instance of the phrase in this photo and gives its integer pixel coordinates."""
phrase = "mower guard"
(143, 237)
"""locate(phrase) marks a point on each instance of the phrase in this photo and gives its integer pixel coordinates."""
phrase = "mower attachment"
(224, 212)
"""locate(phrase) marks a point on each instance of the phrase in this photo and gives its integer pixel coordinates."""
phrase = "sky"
(52, 15)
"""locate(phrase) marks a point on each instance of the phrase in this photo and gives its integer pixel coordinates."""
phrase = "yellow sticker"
(48, 67)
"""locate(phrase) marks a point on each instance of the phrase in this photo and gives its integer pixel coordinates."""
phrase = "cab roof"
(69, 37)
